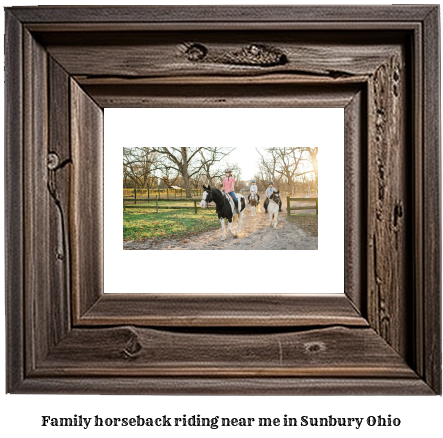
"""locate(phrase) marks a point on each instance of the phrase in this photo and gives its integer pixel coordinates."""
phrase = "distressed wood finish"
(430, 318)
(64, 65)
(59, 168)
(140, 351)
(86, 206)
(388, 259)
(228, 95)
(355, 190)
(14, 239)
(250, 310)
(161, 55)
(211, 15)
(38, 305)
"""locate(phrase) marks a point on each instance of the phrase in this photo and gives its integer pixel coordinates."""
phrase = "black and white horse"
(273, 208)
(224, 207)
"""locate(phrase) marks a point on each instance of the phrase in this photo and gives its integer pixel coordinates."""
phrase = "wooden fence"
(157, 207)
(166, 193)
(310, 207)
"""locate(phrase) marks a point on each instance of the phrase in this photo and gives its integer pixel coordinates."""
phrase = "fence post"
(175, 193)
(124, 205)
(181, 193)
(156, 204)
(158, 192)
(316, 206)
(148, 194)
(135, 196)
(195, 207)
(288, 204)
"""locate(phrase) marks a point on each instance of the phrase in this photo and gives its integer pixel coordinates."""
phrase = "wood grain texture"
(14, 239)
(431, 318)
(139, 351)
(288, 386)
(78, 60)
(59, 182)
(227, 14)
(86, 197)
(37, 306)
(417, 358)
(205, 310)
(223, 96)
(166, 54)
(388, 204)
(355, 195)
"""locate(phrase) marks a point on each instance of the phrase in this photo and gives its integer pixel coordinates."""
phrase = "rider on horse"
(269, 192)
(228, 186)
(254, 190)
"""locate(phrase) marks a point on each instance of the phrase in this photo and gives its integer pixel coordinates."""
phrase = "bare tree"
(211, 159)
(139, 166)
(288, 160)
(284, 164)
(183, 161)
(268, 169)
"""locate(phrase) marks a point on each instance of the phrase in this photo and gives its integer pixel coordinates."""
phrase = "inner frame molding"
(64, 65)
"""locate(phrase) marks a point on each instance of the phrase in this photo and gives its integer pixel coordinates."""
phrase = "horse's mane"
(213, 190)
(216, 190)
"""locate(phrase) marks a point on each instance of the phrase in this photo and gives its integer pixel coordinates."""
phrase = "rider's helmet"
(228, 170)
(270, 182)
(253, 180)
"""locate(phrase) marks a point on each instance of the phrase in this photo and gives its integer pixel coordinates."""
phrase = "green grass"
(307, 222)
(140, 224)
(165, 203)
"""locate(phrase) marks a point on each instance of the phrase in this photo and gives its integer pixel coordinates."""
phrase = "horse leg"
(222, 222)
(239, 223)
(230, 227)
(275, 220)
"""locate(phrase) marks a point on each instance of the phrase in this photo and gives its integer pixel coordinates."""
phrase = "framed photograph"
(377, 327)
(174, 198)
(165, 212)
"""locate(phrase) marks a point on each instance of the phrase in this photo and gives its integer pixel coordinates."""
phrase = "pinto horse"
(273, 208)
(224, 207)
(255, 203)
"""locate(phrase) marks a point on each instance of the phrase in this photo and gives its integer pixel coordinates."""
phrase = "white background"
(20, 414)
(313, 127)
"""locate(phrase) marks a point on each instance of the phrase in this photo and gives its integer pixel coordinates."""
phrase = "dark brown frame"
(380, 63)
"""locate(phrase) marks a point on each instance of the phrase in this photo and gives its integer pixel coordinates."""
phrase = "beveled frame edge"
(431, 286)
(252, 309)
(432, 330)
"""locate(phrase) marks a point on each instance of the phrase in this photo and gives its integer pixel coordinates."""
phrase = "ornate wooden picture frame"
(65, 64)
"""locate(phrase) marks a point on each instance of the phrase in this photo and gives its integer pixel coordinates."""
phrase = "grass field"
(165, 203)
(307, 222)
(140, 224)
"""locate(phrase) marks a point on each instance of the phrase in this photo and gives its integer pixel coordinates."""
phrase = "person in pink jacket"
(228, 185)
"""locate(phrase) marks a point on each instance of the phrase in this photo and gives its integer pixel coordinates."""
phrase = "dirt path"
(256, 234)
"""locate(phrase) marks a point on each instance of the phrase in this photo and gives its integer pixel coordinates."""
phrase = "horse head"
(275, 197)
(206, 197)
